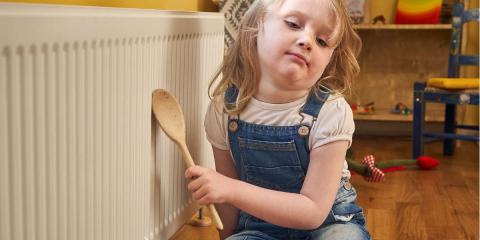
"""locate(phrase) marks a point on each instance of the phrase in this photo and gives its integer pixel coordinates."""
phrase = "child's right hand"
(208, 186)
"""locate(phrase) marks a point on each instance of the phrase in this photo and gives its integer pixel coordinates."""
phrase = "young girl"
(280, 128)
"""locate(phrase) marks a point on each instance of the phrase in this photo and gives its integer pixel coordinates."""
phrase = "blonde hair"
(240, 66)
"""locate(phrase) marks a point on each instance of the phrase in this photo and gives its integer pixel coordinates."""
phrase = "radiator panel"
(80, 155)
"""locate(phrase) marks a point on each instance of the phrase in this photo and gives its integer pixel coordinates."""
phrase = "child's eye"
(321, 42)
(291, 24)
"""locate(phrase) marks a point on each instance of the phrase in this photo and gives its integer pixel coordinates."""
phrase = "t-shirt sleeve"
(214, 124)
(334, 123)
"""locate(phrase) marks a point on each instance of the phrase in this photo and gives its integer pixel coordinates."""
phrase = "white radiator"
(80, 155)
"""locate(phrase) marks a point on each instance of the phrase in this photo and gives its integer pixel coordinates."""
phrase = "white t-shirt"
(334, 121)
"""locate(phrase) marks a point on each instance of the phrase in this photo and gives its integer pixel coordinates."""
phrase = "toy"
(356, 10)
(369, 108)
(380, 19)
(418, 11)
(375, 172)
(401, 108)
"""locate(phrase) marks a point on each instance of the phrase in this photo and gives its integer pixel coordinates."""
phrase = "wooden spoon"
(169, 115)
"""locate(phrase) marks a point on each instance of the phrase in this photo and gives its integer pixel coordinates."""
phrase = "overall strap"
(315, 102)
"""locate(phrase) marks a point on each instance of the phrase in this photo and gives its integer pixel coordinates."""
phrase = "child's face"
(293, 45)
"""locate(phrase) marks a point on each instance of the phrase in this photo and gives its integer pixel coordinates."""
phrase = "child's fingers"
(195, 184)
(194, 171)
(199, 194)
(204, 200)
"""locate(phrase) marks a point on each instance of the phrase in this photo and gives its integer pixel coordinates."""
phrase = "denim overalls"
(277, 157)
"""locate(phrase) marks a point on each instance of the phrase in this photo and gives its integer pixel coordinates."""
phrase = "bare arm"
(228, 213)
(305, 210)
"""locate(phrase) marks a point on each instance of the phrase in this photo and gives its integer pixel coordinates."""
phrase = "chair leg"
(449, 127)
(419, 108)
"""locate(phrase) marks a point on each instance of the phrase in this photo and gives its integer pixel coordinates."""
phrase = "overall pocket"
(272, 165)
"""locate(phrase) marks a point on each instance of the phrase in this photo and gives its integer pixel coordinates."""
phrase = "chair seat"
(454, 90)
(442, 95)
(454, 83)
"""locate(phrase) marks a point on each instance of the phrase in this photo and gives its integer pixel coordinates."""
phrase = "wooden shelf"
(387, 115)
(401, 26)
(383, 116)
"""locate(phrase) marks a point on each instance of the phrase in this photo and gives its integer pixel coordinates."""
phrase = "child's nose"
(305, 42)
(306, 45)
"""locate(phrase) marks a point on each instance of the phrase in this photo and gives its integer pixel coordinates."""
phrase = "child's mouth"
(298, 57)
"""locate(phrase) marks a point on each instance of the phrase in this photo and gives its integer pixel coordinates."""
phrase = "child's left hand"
(208, 186)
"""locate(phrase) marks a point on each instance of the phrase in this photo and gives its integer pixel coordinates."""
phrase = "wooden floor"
(411, 204)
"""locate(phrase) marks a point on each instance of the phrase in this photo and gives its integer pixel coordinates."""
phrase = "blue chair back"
(456, 58)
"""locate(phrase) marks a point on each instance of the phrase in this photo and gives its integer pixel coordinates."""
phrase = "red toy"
(375, 172)
(369, 108)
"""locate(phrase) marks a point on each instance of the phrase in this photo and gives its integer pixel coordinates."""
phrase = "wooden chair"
(450, 91)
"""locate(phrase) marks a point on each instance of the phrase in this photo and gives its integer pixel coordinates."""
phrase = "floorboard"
(411, 204)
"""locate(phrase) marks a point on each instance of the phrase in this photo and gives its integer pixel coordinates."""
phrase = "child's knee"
(341, 231)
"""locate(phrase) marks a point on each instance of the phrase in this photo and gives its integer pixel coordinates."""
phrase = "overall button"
(303, 131)
(233, 126)
(347, 186)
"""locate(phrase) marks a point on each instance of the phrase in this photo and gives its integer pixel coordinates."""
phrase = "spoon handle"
(189, 162)
(215, 216)
(186, 155)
